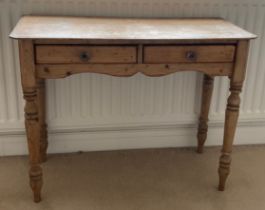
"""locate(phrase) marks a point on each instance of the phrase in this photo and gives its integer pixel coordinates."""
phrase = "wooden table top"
(53, 27)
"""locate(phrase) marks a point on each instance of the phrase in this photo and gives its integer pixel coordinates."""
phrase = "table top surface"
(95, 28)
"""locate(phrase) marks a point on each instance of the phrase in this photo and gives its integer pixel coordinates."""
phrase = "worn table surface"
(52, 27)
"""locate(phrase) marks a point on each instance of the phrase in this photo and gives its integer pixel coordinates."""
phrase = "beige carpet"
(161, 179)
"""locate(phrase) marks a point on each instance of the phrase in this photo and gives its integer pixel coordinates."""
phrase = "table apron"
(53, 71)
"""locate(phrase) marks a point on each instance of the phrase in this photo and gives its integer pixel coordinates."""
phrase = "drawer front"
(188, 54)
(54, 54)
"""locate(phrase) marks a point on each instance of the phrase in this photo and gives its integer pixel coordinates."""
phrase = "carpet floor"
(153, 179)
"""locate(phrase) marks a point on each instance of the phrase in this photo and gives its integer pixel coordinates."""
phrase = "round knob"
(84, 56)
(191, 55)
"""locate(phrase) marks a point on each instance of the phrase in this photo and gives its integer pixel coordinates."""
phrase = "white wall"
(98, 112)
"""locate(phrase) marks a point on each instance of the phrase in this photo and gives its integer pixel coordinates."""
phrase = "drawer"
(54, 54)
(189, 53)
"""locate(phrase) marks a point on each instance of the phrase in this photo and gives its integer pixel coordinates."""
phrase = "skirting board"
(65, 141)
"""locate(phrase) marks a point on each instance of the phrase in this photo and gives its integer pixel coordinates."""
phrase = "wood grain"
(32, 124)
(54, 27)
(41, 100)
(134, 41)
(232, 111)
(179, 54)
(95, 54)
(207, 90)
(68, 45)
(126, 70)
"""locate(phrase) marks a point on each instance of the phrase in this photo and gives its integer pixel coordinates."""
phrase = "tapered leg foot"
(200, 149)
(202, 135)
(43, 158)
(224, 170)
(207, 90)
(35, 175)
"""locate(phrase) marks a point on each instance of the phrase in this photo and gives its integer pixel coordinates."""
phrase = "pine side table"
(57, 47)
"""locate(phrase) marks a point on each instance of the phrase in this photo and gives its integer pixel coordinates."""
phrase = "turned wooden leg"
(42, 120)
(232, 111)
(33, 136)
(207, 90)
(30, 91)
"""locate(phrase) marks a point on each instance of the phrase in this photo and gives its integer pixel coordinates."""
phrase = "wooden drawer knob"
(84, 56)
(191, 55)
